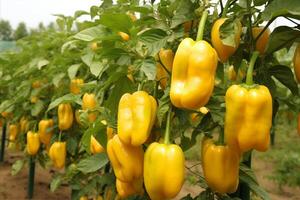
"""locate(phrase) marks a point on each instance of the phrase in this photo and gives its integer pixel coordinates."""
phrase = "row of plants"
(113, 103)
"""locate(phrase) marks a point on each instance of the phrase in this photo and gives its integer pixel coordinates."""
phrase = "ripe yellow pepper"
(163, 170)
(297, 63)
(231, 73)
(34, 99)
(75, 85)
(248, 117)
(136, 116)
(94, 46)
(95, 146)
(166, 57)
(127, 161)
(262, 41)
(46, 130)
(223, 50)
(33, 143)
(126, 189)
(13, 131)
(109, 130)
(57, 154)
(193, 74)
(7, 114)
(24, 125)
(220, 165)
(65, 116)
(124, 36)
(89, 102)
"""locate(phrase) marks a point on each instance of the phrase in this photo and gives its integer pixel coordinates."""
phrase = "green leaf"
(259, 2)
(289, 8)
(285, 75)
(92, 163)
(93, 33)
(148, 66)
(96, 68)
(154, 39)
(68, 98)
(56, 182)
(57, 78)
(282, 37)
(122, 86)
(17, 166)
(37, 108)
(228, 30)
(72, 70)
(79, 13)
(117, 22)
(247, 176)
(42, 63)
(163, 106)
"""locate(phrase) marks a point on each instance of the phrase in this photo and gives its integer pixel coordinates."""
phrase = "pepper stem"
(221, 136)
(225, 8)
(249, 78)
(202, 25)
(59, 136)
(167, 132)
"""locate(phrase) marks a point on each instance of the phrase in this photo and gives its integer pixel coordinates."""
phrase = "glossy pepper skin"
(33, 143)
(166, 57)
(136, 116)
(126, 189)
(124, 36)
(75, 85)
(57, 154)
(220, 166)
(193, 74)
(46, 130)
(65, 116)
(13, 132)
(224, 51)
(163, 170)
(262, 41)
(297, 63)
(127, 161)
(89, 103)
(248, 117)
(95, 146)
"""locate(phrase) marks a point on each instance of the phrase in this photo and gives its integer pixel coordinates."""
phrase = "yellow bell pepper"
(126, 189)
(109, 131)
(13, 130)
(224, 51)
(163, 170)
(33, 143)
(248, 117)
(65, 116)
(34, 99)
(220, 166)
(166, 57)
(124, 36)
(89, 103)
(57, 154)
(297, 63)
(75, 85)
(24, 125)
(46, 130)
(127, 161)
(95, 146)
(136, 116)
(193, 74)
(231, 73)
(7, 114)
(262, 41)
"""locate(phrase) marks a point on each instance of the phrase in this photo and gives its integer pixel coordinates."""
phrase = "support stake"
(3, 139)
(31, 177)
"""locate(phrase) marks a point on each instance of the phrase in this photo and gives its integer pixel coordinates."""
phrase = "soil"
(15, 187)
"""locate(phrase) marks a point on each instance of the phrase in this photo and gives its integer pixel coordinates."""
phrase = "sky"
(32, 12)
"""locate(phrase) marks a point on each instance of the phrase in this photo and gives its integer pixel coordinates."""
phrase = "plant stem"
(250, 24)
(202, 25)
(168, 127)
(249, 78)
(59, 136)
(222, 7)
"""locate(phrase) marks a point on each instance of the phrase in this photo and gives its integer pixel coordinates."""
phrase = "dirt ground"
(15, 187)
